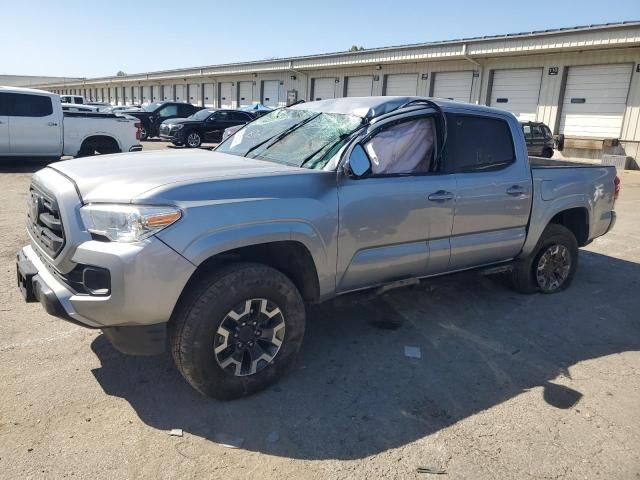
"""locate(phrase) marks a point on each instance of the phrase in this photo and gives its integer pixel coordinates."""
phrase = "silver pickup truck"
(219, 251)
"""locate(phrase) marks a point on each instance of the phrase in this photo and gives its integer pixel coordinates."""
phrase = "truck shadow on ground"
(353, 393)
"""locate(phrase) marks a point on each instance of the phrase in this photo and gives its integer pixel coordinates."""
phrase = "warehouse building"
(584, 82)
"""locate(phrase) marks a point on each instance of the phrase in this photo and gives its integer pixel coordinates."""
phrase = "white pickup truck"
(33, 124)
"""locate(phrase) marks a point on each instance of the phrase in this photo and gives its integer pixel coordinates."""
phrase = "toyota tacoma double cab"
(218, 252)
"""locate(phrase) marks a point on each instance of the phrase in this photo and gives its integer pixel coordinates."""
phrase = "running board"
(498, 269)
(406, 282)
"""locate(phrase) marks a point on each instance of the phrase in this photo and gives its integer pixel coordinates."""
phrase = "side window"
(538, 131)
(31, 105)
(168, 111)
(185, 110)
(527, 132)
(223, 116)
(403, 148)
(6, 102)
(239, 117)
(476, 144)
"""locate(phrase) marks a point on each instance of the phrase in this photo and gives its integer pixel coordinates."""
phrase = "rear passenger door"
(34, 125)
(493, 197)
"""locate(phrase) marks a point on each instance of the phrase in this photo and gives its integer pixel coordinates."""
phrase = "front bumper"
(175, 137)
(146, 282)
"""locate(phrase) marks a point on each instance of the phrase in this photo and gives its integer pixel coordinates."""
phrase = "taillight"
(616, 188)
(138, 126)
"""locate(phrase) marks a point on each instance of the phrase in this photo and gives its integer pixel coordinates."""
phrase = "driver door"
(395, 222)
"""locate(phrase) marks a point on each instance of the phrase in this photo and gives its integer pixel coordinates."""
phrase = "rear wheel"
(144, 134)
(193, 139)
(547, 153)
(238, 331)
(552, 265)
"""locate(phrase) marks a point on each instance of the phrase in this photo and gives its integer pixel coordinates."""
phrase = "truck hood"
(122, 177)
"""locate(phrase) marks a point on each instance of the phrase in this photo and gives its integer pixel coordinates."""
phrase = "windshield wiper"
(276, 138)
(330, 145)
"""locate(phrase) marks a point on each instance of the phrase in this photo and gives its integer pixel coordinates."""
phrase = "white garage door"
(361, 86)
(157, 93)
(136, 96)
(453, 85)
(167, 92)
(194, 94)
(245, 94)
(122, 95)
(181, 93)
(112, 95)
(271, 93)
(401, 84)
(517, 91)
(595, 99)
(208, 95)
(226, 95)
(146, 94)
(324, 88)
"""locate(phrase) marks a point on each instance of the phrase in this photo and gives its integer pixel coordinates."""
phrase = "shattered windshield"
(294, 137)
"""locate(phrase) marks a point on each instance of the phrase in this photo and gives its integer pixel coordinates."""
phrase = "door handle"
(440, 196)
(52, 124)
(516, 191)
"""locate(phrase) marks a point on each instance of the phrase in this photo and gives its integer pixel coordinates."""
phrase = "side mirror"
(359, 163)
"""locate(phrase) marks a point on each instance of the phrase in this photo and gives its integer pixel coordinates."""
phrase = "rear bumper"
(612, 222)
(136, 148)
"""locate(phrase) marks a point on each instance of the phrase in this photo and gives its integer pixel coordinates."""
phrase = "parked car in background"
(205, 125)
(257, 110)
(122, 109)
(72, 99)
(219, 251)
(152, 115)
(33, 124)
(538, 138)
(230, 131)
(76, 107)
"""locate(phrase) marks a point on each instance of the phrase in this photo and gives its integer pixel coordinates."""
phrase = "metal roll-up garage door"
(112, 95)
(271, 93)
(517, 91)
(453, 85)
(324, 88)
(181, 93)
(245, 94)
(595, 100)
(157, 93)
(136, 96)
(194, 94)
(167, 93)
(401, 84)
(208, 95)
(146, 94)
(128, 99)
(360, 86)
(226, 95)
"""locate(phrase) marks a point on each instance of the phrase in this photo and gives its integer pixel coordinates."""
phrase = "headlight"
(176, 126)
(127, 223)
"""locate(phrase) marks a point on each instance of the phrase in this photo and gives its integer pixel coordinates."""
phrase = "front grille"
(44, 222)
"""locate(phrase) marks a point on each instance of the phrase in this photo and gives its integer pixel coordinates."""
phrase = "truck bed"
(540, 162)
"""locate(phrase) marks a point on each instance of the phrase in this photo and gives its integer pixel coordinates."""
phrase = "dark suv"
(153, 114)
(204, 126)
(539, 139)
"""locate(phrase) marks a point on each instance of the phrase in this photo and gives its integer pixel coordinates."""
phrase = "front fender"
(220, 240)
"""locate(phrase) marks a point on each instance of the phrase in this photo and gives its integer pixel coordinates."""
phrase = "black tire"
(107, 146)
(200, 316)
(144, 133)
(178, 144)
(193, 139)
(547, 153)
(524, 277)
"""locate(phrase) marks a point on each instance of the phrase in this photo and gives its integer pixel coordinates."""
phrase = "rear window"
(476, 144)
(25, 105)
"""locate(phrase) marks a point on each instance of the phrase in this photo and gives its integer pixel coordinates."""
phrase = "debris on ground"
(412, 352)
(176, 432)
(431, 470)
(228, 441)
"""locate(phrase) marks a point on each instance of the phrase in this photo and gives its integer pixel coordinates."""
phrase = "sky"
(87, 38)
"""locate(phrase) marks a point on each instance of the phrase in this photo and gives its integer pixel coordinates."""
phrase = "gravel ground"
(507, 386)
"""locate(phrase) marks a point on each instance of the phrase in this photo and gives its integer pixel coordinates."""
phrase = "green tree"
(121, 74)
(356, 48)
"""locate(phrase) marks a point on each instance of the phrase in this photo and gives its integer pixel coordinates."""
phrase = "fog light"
(97, 280)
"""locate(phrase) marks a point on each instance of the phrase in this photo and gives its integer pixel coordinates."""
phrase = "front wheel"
(238, 330)
(552, 265)
(193, 140)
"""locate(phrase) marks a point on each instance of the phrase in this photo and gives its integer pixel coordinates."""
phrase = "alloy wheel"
(249, 337)
(554, 266)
